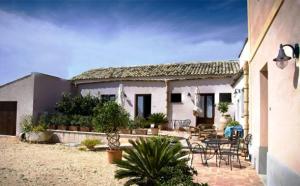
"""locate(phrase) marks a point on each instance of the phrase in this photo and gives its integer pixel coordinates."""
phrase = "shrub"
(154, 161)
(75, 120)
(44, 119)
(109, 118)
(27, 123)
(223, 107)
(140, 122)
(77, 105)
(59, 119)
(39, 128)
(233, 123)
(85, 121)
(158, 118)
(91, 143)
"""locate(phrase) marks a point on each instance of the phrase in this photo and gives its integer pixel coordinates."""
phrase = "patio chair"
(181, 124)
(196, 148)
(229, 154)
(245, 145)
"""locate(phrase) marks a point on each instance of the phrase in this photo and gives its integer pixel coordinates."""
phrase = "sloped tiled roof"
(205, 69)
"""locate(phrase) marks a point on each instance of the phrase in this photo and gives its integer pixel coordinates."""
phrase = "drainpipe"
(246, 97)
(167, 101)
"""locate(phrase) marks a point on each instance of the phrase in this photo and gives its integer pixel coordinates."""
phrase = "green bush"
(91, 143)
(27, 123)
(110, 117)
(140, 122)
(155, 161)
(158, 118)
(85, 121)
(233, 123)
(77, 105)
(75, 120)
(44, 119)
(39, 128)
(223, 107)
(59, 119)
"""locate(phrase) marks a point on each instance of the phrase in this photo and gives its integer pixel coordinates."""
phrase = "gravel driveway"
(41, 164)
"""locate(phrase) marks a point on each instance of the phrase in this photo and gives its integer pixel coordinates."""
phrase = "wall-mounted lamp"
(237, 91)
(189, 95)
(282, 59)
(125, 96)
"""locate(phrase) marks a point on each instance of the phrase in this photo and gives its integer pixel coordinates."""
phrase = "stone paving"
(223, 176)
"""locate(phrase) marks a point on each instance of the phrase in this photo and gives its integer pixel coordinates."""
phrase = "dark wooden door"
(8, 115)
(207, 103)
(143, 105)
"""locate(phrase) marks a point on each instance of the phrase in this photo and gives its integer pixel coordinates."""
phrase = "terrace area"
(57, 164)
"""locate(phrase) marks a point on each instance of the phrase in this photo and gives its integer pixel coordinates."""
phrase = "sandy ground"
(41, 164)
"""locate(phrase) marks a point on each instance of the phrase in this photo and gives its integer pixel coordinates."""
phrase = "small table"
(213, 144)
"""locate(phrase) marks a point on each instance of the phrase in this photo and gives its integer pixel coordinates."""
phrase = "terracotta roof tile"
(219, 68)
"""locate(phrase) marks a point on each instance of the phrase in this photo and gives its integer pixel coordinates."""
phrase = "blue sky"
(66, 37)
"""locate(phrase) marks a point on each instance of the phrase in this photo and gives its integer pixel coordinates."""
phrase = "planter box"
(73, 128)
(38, 137)
(85, 129)
(125, 131)
(141, 131)
(154, 131)
(62, 127)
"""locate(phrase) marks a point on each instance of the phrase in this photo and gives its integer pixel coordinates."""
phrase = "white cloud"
(28, 44)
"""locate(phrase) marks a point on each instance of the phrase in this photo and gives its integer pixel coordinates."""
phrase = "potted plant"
(223, 108)
(35, 132)
(45, 119)
(109, 118)
(157, 119)
(128, 128)
(91, 143)
(139, 125)
(62, 121)
(74, 122)
(85, 123)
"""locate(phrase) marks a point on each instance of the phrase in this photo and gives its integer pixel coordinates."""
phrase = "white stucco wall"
(131, 88)
(158, 94)
(184, 110)
(238, 101)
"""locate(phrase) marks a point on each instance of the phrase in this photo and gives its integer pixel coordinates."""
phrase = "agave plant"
(149, 160)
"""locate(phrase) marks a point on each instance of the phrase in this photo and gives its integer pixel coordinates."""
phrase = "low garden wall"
(65, 136)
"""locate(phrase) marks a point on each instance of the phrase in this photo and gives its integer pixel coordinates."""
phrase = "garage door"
(8, 115)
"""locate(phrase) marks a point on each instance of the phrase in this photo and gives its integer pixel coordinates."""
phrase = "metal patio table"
(212, 147)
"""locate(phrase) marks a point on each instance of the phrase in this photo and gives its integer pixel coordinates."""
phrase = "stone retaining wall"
(65, 136)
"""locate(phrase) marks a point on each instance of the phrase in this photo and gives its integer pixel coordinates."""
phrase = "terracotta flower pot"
(154, 131)
(114, 155)
(62, 127)
(85, 129)
(141, 131)
(53, 127)
(73, 128)
(125, 131)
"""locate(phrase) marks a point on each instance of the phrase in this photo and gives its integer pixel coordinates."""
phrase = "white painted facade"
(158, 91)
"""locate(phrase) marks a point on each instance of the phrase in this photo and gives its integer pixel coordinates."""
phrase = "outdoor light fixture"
(282, 59)
(189, 95)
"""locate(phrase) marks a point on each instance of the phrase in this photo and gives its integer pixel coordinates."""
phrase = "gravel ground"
(43, 164)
